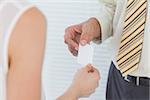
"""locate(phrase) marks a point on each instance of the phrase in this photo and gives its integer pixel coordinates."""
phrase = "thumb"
(86, 38)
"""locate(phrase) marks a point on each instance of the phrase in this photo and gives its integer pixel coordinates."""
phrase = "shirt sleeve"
(105, 18)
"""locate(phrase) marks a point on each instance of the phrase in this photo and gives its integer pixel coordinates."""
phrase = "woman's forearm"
(70, 94)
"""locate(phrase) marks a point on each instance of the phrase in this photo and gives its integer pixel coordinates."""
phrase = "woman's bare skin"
(26, 53)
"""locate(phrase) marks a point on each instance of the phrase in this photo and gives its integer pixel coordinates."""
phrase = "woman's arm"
(84, 84)
(26, 53)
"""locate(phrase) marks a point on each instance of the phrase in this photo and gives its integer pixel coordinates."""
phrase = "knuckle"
(67, 29)
(88, 35)
(66, 41)
(65, 38)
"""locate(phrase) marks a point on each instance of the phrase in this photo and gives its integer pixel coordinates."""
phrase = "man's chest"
(120, 14)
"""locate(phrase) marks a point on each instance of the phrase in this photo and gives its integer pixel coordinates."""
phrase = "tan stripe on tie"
(132, 37)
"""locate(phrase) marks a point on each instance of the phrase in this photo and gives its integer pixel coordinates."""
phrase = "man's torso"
(118, 24)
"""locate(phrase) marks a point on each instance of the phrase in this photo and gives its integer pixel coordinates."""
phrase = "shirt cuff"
(105, 28)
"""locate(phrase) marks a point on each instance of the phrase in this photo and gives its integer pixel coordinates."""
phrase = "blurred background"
(60, 66)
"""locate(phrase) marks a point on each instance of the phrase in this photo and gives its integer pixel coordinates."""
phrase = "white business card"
(85, 54)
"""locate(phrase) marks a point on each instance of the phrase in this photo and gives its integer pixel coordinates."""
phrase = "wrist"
(72, 93)
(97, 27)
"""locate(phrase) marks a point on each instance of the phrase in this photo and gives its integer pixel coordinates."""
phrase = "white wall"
(60, 66)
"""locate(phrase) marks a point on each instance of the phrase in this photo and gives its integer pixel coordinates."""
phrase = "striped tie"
(132, 37)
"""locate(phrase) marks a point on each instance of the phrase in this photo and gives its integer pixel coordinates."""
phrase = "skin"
(85, 82)
(83, 34)
(26, 53)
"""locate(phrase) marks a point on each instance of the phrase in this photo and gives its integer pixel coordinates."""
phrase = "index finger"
(72, 43)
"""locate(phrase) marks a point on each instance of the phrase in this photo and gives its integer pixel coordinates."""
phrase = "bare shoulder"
(28, 35)
(33, 17)
(26, 56)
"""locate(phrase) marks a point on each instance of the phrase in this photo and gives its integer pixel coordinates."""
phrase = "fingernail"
(75, 53)
(83, 42)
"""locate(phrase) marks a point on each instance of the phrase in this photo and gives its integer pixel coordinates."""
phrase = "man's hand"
(82, 34)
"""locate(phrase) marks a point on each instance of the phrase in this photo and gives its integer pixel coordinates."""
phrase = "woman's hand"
(84, 84)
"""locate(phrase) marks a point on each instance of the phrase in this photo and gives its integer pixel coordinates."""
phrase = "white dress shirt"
(111, 19)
